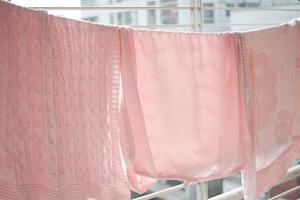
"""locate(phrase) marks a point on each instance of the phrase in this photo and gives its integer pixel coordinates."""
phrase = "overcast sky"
(66, 13)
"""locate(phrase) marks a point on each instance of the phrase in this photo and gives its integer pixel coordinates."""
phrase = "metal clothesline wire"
(206, 24)
(163, 7)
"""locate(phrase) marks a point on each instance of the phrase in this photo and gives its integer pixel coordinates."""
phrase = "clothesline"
(95, 7)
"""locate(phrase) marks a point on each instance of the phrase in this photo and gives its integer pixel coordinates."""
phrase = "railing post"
(202, 191)
(194, 14)
(197, 11)
(200, 10)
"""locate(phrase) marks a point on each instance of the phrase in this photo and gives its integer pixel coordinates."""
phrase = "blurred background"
(239, 15)
(245, 18)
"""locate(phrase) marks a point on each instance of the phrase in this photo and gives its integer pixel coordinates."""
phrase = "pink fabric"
(193, 107)
(58, 108)
(183, 113)
(272, 65)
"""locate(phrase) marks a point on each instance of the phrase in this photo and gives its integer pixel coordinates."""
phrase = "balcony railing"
(236, 194)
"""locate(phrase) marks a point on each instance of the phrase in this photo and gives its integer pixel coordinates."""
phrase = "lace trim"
(249, 171)
(74, 192)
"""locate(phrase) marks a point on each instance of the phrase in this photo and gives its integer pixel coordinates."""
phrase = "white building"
(266, 17)
(73, 14)
(169, 17)
(153, 17)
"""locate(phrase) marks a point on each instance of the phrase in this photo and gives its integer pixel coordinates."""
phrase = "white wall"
(75, 14)
(263, 16)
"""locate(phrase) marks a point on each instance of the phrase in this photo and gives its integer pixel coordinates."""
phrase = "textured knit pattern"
(58, 101)
(272, 63)
(184, 110)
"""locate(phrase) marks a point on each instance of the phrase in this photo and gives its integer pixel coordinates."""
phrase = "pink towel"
(58, 106)
(273, 68)
(183, 115)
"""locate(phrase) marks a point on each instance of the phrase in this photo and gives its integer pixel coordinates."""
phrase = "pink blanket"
(183, 113)
(58, 106)
(273, 87)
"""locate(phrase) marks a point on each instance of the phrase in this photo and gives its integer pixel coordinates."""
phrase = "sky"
(75, 14)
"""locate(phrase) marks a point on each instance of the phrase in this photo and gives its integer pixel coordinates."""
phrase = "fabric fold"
(185, 116)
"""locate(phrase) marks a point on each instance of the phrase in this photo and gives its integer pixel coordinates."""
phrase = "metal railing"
(236, 194)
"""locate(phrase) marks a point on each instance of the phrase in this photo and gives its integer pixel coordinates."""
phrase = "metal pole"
(160, 7)
(109, 7)
(202, 191)
(158, 193)
(197, 10)
(201, 9)
(294, 189)
(194, 13)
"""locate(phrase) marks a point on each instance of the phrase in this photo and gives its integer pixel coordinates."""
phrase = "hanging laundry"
(58, 108)
(272, 60)
(192, 107)
(183, 112)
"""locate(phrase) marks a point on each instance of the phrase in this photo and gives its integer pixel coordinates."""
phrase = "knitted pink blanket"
(57, 108)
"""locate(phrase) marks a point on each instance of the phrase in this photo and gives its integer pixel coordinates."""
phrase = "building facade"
(214, 20)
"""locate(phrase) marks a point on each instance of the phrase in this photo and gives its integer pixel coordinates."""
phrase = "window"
(151, 14)
(87, 2)
(208, 15)
(91, 19)
(128, 17)
(111, 18)
(168, 1)
(119, 18)
(169, 16)
(248, 4)
(125, 18)
(228, 11)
